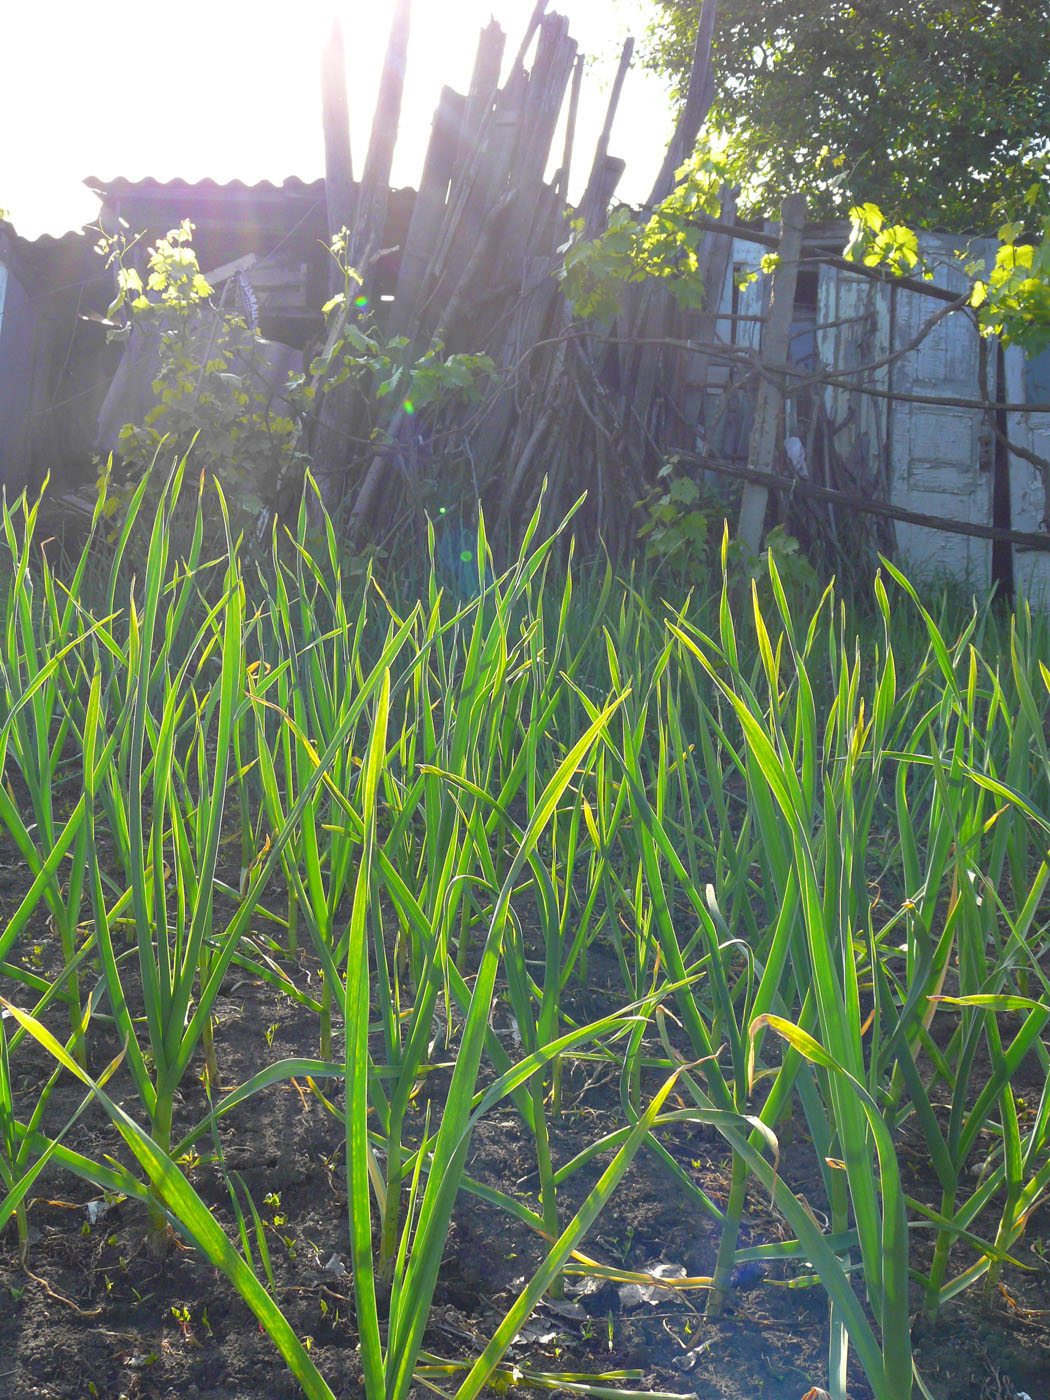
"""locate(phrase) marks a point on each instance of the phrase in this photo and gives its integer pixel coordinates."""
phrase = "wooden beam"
(865, 505)
(230, 269)
(814, 255)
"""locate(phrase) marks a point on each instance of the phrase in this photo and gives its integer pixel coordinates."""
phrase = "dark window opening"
(806, 288)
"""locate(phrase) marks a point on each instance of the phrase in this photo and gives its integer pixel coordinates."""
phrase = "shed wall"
(24, 368)
(1028, 499)
(935, 458)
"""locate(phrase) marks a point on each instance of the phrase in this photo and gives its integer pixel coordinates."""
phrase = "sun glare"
(230, 90)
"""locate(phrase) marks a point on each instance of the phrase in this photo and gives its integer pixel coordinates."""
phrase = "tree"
(938, 111)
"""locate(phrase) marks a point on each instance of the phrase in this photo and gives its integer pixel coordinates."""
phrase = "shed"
(52, 361)
(916, 407)
(281, 228)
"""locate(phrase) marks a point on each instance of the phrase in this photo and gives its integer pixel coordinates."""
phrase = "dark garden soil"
(93, 1313)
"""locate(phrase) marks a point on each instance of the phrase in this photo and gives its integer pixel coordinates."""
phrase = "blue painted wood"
(22, 378)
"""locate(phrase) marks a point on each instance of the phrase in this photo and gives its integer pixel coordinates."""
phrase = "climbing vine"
(664, 247)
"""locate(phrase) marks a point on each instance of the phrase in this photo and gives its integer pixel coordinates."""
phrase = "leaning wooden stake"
(428, 212)
(560, 183)
(697, 104)
(595, 202)
(338, 168)
(331, 433)
(375, 182)
(762, 452)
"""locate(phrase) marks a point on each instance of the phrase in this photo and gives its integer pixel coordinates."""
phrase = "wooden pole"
(697, 104)
(338, 166)
(542, 100)
(561, 179)
(375, 182)
(331, 431)
(483, 168)
(765, 434)
(427, 212)
(596, 197)
(484, 85)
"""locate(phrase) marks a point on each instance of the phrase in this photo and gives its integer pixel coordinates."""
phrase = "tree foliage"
(596, 271)
(1009, 292)
(938, 111)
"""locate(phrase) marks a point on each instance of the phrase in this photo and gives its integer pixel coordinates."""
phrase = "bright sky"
(229, 89)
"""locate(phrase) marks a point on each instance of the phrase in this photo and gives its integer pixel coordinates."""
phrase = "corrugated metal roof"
(72, 241)
(231, 218)
(121, 185)
(50, 242)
